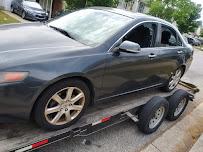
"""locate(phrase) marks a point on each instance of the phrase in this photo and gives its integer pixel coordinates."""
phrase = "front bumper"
(16, 101)
(37, 17)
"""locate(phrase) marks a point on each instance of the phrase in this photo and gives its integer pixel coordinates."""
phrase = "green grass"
(6, 19)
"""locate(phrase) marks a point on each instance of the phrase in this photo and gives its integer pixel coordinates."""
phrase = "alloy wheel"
(23, 15)
(64, 106)
(175, 78)
(12, 9)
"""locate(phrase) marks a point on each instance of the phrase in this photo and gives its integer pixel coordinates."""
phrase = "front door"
(129, 72)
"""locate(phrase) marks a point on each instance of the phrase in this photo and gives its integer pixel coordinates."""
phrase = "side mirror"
(130, 47)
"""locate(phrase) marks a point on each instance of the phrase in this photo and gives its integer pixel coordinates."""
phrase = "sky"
(199, 2)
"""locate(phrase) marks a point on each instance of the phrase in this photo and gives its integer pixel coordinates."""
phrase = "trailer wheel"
(152, 114)
(177, 104)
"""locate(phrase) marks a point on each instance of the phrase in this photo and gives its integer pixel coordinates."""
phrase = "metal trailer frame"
(85, 128)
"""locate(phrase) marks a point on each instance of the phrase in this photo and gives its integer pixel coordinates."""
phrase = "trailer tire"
(69, 109)
(155, 109)
(177, 104)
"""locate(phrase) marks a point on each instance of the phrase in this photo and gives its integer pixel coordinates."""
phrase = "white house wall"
(6, 4)
(131, 6)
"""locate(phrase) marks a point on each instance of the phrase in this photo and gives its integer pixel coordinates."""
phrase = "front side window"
(169, 37)
(144, 35)
(91, 27)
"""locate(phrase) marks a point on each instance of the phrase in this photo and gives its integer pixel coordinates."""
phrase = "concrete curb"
(198, 146)
(180, 137)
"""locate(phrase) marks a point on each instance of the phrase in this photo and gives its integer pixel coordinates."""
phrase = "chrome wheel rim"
(23, 15)
(64, 106)
(175, 78)
(180, 107)
(157, 117)
(12, 10)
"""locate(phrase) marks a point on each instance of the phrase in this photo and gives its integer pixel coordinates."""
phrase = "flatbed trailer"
(27, 137)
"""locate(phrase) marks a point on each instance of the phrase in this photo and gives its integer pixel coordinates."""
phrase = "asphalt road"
(126, 137)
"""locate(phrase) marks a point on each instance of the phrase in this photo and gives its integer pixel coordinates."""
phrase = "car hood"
(34, 6)
(20, 41)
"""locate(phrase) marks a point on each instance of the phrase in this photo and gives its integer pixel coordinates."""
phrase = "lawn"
(6, 19)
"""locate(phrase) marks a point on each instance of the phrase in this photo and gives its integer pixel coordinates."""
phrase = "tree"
(107, 3)
(201, 32)
(129, 3)
(184, 12)
(77, 4)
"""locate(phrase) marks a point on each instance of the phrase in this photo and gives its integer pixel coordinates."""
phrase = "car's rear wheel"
(174, 80)
(12, 9)
(62, 104)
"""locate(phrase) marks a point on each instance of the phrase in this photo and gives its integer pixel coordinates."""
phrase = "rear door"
(171, 50)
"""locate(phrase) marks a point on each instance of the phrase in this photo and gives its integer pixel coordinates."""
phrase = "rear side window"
(144, 35)
(169, 37)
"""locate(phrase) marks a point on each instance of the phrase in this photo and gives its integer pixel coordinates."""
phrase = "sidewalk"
(16, 17)
(182, 136)
(198, 146)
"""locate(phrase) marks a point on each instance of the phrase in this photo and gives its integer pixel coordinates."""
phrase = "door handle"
(179, 52)
(152, 55)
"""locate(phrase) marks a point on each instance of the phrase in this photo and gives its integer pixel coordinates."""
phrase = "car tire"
(173, 80)
(177, 104)
(62, 104)
(152, 114)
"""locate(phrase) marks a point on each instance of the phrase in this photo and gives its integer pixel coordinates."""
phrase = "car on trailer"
(52, 72)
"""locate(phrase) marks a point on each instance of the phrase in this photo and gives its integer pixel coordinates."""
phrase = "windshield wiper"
(62, 31)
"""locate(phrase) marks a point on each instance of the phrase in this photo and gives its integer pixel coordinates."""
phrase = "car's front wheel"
(62, 104)
(173, 80)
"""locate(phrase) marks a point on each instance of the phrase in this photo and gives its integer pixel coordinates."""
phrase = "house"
(53, 7)
(133, 5)
(5, 4)
(50, 6)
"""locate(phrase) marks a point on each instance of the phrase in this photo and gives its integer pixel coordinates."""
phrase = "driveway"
(125, 137)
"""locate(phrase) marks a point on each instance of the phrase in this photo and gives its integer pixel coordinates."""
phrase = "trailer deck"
(27, 136)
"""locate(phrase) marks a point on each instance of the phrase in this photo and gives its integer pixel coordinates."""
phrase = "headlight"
(6, 77)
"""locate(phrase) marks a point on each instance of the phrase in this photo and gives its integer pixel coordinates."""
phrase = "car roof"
(132, 14)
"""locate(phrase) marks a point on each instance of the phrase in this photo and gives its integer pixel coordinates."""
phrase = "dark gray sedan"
(29, 10)
(53, 71)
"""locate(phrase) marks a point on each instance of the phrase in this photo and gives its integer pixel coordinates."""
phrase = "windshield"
(33, 5)
(89, 26)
